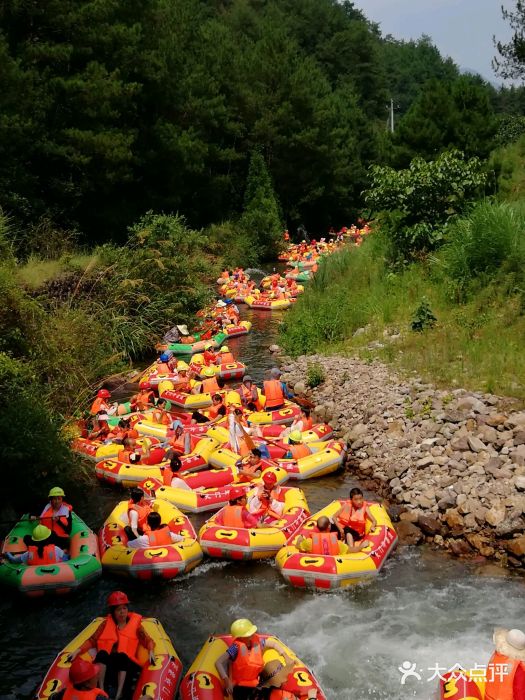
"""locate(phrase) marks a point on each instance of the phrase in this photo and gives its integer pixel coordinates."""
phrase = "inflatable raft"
(463, 685)
(228, 370)
(265, 304)
(255, 543)
(235, 330)
(342, 570)
(202, 681)
(94, 449)
(198, 345)
(165, 561)
(199, 499)
(281, 416)
(113, 471)
(327, 457)
(82, 568)
(158, 681)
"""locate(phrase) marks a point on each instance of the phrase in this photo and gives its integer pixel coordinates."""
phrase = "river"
(425, 607)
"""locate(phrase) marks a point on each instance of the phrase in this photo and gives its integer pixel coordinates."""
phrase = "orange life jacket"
(143, 399)
(167, 475)
(57, 525)
(325, 543)
(178, 443)
(159, 537)
(274, 393)
(226, 358)
(213, 411)
(353, 517)
(210, 386)
(500, 677)
(98, 405)
(278, 694)
(299, 451)
(248, 665)
(307, 424)
(142, 511)
(232, 516)
(91, 694)
(48, 557)
(126, 639)
(163, 368)
(249, 395)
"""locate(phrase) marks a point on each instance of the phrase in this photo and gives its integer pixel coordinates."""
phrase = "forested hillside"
(111, 109)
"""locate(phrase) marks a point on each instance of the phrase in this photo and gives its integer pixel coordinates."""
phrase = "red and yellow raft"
(255, 543)
(463, 685)
(159, 681)
(165, 561)
(342, 570)
(202, 681)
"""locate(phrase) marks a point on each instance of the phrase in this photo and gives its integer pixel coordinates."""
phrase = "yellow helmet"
(41, 532)
(225, 348)
(208, 372)
(56, 491)
(295, 436)
(197, 359)
(243, 628)
(208, 346)
(181, 365)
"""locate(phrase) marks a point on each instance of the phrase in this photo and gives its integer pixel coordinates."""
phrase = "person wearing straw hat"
(505, 677)
(42, 552)
(241, 664)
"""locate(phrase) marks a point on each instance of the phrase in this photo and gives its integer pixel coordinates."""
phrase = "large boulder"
(408, 533)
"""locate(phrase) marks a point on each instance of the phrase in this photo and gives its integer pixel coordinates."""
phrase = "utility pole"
(391, 115)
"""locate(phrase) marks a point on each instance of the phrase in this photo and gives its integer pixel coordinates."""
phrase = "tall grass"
(475, 287)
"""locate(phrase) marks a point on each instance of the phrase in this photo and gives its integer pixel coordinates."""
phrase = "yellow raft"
(165, 561)
(266, 304)
(159, 681)
(202, 681)
(201, 500)
(342, 570)
(255, 543)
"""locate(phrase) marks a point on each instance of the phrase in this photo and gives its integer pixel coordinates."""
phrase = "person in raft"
(57, 517)
(509, 655)
(241, 665)
(297, 447)
(279, 684)
(138, 510)
(250, 466)
(236, 514)
(275, 391)
(82, 683)
(324, 542)
(117, 640)
(157, 534)
(41, 551)
(350, 520)
(267, 503)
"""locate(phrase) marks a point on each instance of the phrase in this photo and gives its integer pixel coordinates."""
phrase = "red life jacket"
(126, 639)
(48, 557)
(57, 525)
(232, 516)
(91, 694)
(248, 665)
(142, 512)
(159, 537)
(274, 394)
(353, 517)
(500, 677)
(325, 543)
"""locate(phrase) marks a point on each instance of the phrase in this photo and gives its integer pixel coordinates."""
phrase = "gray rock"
(408, 533)
(475, 444)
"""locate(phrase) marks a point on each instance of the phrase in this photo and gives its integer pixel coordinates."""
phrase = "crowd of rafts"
(199, 435)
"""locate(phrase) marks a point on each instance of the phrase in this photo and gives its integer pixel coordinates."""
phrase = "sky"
(461, 29)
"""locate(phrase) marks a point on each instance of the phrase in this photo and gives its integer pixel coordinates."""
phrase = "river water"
(424, 608)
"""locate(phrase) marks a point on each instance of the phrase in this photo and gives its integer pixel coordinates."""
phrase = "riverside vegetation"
(194, 131)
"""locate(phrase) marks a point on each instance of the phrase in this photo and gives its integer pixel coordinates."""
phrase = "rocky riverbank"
(450, 463)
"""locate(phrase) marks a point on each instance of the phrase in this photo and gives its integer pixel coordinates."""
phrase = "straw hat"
(274, 673)
(510, 643)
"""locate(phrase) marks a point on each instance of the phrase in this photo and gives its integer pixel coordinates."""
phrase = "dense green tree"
(454, 114)
(511, 60)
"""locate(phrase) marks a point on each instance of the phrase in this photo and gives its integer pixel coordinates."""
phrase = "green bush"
(490, 238)
(315, 375)
(423, 317)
